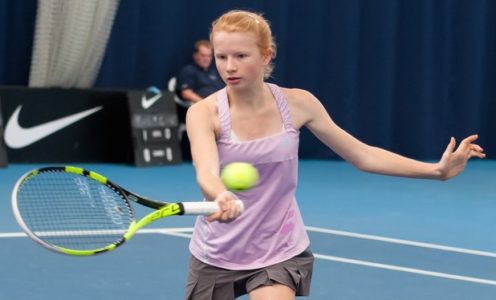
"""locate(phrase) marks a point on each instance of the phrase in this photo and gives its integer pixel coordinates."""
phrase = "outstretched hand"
(453, 161)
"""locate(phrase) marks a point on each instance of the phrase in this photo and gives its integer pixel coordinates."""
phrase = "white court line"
(402, 242)
(179, 234)
(171, 231)
(186, 233)
(379, 265)
(183, 230)
(12, 234)
(403, 269)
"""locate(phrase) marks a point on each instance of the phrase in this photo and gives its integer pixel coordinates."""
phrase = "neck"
(253, 96)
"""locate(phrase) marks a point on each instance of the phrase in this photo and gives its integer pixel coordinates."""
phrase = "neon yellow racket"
(73, 211)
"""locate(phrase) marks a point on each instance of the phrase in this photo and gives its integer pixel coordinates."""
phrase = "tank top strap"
(224, 114)
(282, 103)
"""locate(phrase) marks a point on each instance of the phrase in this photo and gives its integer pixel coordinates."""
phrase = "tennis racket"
(73, 211)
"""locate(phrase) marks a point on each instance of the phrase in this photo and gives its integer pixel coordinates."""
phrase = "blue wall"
(404, 75)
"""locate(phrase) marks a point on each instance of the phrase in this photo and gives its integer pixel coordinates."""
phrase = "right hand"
(229, 210)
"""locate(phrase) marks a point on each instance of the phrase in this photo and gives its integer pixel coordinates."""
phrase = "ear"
(267, 56)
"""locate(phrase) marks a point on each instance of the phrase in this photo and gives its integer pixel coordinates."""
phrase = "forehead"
(226, 41)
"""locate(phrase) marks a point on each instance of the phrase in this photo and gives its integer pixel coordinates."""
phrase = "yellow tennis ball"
(239, 176)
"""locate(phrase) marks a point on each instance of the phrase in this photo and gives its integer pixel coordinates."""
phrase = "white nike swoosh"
(18, 137)
(146, 103)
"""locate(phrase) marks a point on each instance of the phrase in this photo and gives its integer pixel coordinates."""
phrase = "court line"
(381, 239)
(12, 234)
(373, 264)
(185, 232)
(404, 269)
(320, 230)
(178, 231)
(400, 241)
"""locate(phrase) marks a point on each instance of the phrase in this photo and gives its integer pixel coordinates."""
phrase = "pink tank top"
(271, 229)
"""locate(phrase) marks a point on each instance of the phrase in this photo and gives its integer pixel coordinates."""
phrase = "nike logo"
(17, 136)
(148, 102)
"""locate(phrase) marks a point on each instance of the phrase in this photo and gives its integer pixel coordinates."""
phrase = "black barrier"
(154, 127)
(54, 125)
(66, 125)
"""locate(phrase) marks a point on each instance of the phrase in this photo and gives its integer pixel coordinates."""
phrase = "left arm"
(307, 111)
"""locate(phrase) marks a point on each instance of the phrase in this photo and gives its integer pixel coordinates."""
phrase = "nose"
(230, 65)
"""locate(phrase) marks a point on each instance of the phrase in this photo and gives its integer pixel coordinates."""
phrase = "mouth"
(233, 80)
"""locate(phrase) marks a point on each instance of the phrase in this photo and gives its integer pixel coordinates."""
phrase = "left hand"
(453, 162)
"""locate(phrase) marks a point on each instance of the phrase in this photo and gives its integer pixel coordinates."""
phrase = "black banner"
(66, 125)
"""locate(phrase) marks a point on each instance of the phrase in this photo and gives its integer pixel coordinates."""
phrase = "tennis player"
(265, 251)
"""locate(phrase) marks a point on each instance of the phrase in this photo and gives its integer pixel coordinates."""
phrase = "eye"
(220, 57)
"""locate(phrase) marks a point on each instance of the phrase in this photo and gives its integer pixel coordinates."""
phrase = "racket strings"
(73, 211)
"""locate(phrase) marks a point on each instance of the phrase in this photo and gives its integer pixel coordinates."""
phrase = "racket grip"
(206, 207)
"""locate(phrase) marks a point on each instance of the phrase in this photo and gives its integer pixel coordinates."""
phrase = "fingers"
(470, 139)
(471, 149)
(451, 145)
(228, 208)
(475, 153)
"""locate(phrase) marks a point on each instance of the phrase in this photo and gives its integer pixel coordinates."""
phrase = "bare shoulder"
(297, 95)
(303, 105)
(203, 112)
(204, 107)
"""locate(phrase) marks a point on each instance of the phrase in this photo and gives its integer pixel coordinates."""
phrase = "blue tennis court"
(373, 237)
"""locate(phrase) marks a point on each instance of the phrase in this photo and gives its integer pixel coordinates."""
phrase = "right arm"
(201, 126)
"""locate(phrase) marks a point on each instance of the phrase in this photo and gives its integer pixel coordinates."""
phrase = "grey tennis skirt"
(206, 282)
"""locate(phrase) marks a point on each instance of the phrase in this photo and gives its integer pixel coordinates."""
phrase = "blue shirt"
(203, 82)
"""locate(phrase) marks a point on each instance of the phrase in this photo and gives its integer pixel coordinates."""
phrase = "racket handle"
(206, 207)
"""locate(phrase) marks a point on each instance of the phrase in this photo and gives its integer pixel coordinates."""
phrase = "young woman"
(265, 251)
